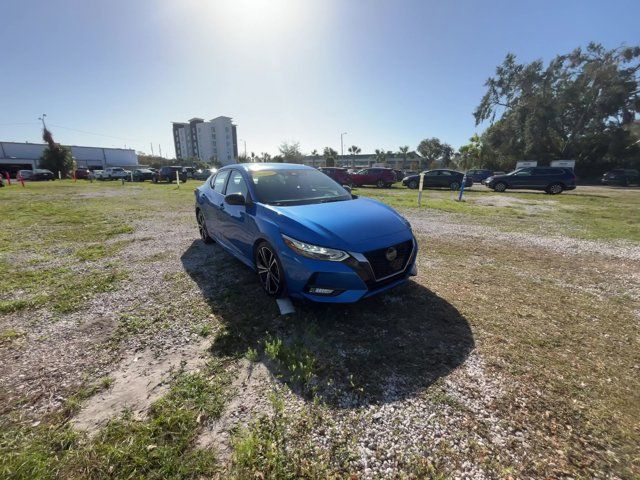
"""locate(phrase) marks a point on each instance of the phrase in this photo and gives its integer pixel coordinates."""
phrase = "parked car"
(204, 174)
(621, 176)
(479, 174)
(168, 174)
(340, 175)
(304, 234)
(552, 180)
(82, 173)
(440, 177)
(190, 171)
(378, 176)
(37, 174)
(113, 173)
(142, 174)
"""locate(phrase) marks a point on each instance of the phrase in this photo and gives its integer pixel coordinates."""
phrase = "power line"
(93, 133)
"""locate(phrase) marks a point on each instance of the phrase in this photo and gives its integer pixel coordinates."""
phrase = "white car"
(114, 173)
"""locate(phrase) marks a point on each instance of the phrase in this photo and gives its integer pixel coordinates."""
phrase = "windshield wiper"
(336, 199)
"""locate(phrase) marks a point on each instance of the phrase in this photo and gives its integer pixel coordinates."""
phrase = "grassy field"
(501, 358)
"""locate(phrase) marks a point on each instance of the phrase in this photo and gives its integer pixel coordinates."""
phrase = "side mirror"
(235, 199)
(347, 188)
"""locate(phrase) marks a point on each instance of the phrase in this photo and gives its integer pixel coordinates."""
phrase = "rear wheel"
(380, 184)
(202, 228)
(500, 187)
(454, 186)
(269, 270)
(554, 188)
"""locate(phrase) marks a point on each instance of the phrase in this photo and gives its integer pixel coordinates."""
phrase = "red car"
(82, 173)
(378, 176)
(340, 175)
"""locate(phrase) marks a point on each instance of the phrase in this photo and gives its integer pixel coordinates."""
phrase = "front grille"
(383, 267)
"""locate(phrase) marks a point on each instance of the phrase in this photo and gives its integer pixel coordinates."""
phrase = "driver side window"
(237, 184)
(524, 173)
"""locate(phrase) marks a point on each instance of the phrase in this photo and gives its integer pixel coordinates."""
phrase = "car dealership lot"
(513, 352)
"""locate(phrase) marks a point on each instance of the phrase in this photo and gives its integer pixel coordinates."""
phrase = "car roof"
(255, 167)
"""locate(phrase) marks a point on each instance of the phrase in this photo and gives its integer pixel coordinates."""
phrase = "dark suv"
(440, 177)
(479, 174)
(621, 176)
(552, 180)
(168, 174)
(340, 175)
(378, 176)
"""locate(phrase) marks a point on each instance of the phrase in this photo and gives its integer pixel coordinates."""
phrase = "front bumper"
(350, 280)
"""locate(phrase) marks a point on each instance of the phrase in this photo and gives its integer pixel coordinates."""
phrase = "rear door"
(214, 204)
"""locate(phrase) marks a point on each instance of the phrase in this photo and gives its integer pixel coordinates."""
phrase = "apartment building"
(212, 141)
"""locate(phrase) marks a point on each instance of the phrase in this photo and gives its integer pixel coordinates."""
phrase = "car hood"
(347, 225)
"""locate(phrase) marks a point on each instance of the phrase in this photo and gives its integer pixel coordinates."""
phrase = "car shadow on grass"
(380, 350)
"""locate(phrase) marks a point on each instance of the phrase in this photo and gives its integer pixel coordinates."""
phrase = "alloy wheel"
(268, 270)
(500, 187)
(454, 186)
(555, 189)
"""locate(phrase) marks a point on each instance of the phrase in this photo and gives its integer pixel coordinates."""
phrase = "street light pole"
(342, 146)
(42, 120)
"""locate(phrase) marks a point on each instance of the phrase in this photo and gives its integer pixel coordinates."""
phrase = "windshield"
(296, 187)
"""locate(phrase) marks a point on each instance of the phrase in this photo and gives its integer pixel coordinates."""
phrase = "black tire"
(413, 184)
(454, 185)
(269, 268)
(554, 189)
(500, 187)
(380, 184)
(202, 228)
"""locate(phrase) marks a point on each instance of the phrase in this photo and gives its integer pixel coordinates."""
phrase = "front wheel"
(202, 228)
(500, 187)
(454, 186)
(269, 270)
(413, 184)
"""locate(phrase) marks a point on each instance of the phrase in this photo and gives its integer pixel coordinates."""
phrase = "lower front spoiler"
(352, 296)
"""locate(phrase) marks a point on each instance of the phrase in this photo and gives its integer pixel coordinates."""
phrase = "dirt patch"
(139, 380)
(250, 391)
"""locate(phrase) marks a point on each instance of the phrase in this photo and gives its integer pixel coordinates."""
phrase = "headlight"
(314, 251)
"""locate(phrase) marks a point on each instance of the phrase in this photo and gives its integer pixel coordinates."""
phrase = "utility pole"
(42, 120)
(152, 149)
(160, 149)
(342, 147)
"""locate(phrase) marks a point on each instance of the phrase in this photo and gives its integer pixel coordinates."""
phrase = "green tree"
(471, 154)
(354, 150)
(290, 152)
(405, 154)
(380, 156)
(330, 156)
(576, 107)
(432, 149)
(55, 157)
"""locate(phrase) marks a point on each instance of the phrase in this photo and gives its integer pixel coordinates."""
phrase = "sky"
(388, 73)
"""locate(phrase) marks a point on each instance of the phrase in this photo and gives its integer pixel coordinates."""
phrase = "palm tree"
(404, 153)
(380, 156)
(353, 150)
(330, 156)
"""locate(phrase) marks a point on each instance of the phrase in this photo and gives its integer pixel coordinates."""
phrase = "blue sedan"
(304, 234)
